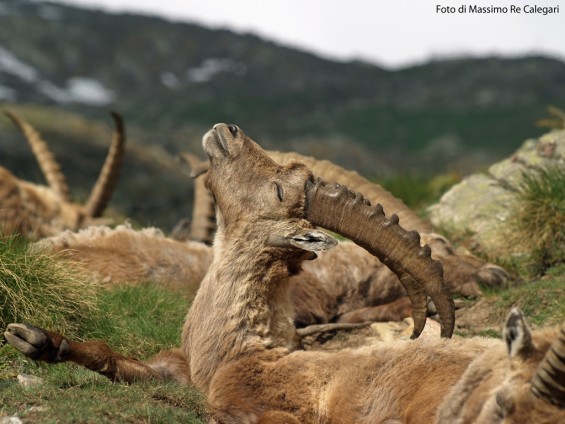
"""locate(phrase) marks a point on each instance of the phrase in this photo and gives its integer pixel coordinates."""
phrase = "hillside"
(172, 81)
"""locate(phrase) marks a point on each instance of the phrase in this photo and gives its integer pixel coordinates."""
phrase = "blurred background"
(395, 90)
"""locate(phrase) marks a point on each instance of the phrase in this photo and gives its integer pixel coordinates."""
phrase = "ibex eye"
(280, 192)
(233, 129)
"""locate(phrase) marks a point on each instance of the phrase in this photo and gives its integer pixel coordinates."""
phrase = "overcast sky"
(391, 33)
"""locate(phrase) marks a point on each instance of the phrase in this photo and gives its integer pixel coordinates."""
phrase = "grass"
(38, 288)
(90, 398)
(417, 191)
(136, 321)
(541, 300)
(535, 233)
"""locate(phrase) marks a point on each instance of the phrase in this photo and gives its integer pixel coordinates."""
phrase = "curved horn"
(45, 158)
(203, 223)
(197, 166)
(375, 193)
(337, 209)
(329, 172)
(549, 380)
(106, 182)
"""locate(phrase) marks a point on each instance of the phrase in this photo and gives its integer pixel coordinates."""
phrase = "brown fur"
(340, 281)
(497, 386)
(123, 255)
(36, 211)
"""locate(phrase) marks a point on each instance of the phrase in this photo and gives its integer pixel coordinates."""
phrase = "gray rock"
(28, 381)
(11, 420)
(480, 205)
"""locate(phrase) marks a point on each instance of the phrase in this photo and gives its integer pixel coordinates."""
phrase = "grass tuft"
(535, 233)
(40, 289)
(541, 301)
(138, 320)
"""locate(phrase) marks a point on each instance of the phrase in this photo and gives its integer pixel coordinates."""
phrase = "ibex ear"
(517, 335)
(306, 239)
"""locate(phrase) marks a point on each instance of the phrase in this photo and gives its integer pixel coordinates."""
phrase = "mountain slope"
(172, 81)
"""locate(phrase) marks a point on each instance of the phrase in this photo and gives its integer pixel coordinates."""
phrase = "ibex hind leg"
(43, 345)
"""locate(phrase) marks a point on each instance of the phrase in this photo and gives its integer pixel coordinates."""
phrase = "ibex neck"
(242, 306)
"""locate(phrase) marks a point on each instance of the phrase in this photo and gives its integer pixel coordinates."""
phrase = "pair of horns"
(102, 190)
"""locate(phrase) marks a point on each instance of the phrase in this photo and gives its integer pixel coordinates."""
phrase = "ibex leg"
(43, 345)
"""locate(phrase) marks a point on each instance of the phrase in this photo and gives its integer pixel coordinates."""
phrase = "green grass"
(536, 231)
(136, 321)
(417, 191)
(541, 300)
(89, 398)
(38, 288)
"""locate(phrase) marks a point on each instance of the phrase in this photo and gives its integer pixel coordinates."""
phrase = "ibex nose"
(233, 129)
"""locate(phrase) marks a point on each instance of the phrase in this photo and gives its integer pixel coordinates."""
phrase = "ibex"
(36, 211)
(235, 342)
(463, 272)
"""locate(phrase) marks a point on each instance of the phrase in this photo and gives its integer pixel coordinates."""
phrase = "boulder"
(481, 204)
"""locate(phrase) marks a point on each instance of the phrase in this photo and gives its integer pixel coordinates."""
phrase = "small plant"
(555, 120)
(40, 289)
(536, 231)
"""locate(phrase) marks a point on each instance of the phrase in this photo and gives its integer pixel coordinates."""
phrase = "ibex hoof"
(493, 276)
(27, 339)
(35, 343)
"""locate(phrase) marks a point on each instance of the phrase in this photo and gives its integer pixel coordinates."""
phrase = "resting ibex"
(343, 284)
(237, 332)
(462, 272)
(36, 211)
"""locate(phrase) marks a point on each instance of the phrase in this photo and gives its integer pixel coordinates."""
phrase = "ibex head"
(524, 384)
(269, 189)
(279, 205)
(38, 211)
(534, 390)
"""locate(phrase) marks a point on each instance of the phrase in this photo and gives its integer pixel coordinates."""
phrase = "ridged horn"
(203, 223)
(549, 380)
(323, 169)
(375, 193)
(102, 191)
(197, 166)
(45, 158)
(337, 209)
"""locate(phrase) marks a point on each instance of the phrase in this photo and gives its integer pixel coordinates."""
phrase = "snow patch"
(4, 10)
(79, 90)
(89, 91)
(50, 13)
(10, 64)
(168, 79)
(7, 93)
(213, 66)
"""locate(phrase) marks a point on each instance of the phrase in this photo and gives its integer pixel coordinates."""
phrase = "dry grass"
(38, 288)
